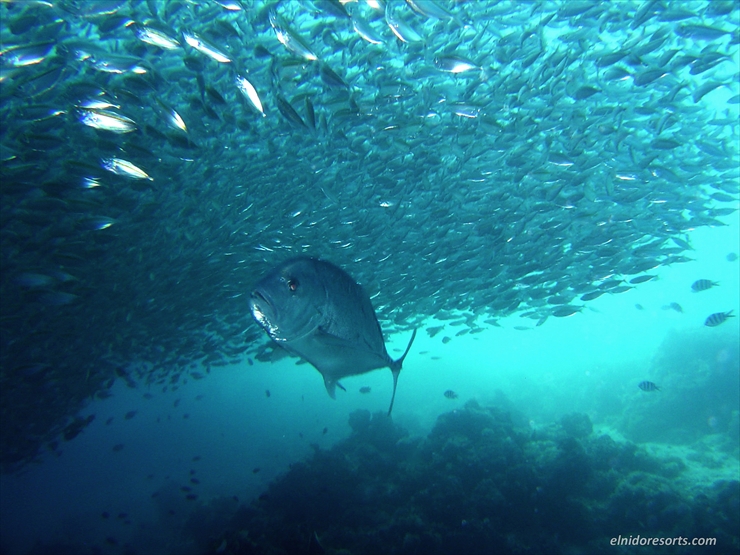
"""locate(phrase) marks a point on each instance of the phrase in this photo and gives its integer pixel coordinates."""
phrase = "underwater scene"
(369, 277)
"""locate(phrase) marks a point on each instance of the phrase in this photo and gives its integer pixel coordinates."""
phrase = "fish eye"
(292, 284)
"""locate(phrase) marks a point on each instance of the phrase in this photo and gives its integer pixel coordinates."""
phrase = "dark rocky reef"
(479, 484)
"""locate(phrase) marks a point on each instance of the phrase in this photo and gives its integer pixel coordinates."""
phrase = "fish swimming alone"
(703, 285)
(315, 310)
(648, 386)
(717, 318)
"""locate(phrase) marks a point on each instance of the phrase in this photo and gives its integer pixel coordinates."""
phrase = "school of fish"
(463, 160)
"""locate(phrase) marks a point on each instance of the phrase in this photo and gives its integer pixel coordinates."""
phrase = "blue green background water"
(244, 439)
(579, 364)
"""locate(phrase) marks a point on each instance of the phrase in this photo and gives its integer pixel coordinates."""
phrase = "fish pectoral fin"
(331, 386)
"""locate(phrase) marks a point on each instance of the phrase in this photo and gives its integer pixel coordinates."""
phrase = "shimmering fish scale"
(122, 167)
(250, 93)
(290, 39)
(107, 121)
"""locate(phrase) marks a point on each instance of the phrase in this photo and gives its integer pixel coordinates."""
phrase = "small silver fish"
(124, 168)
(107, 121)
(206, 48)
(642, 279)
(171, 117)
(400, 28)
(250, 93)
(26, 54)
(429, 8)
(363, 29)
(156, 37)
(290, 39)
(454, 64)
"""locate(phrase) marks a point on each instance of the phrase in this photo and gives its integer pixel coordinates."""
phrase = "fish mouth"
(257, 296)
(262, 310)
(258, 302)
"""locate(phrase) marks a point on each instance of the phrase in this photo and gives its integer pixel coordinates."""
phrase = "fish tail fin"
(396, 364)
(396, 369)
(314, 545)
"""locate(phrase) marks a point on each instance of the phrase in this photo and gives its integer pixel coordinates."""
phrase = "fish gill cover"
(470, 160)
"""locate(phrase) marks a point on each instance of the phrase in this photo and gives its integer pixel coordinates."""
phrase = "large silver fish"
(315, 310)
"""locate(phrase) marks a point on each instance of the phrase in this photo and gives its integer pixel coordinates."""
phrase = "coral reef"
(699, 380)
(479, 484)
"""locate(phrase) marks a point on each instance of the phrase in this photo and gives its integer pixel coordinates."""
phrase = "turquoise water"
(577, 364)
(482, 202)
